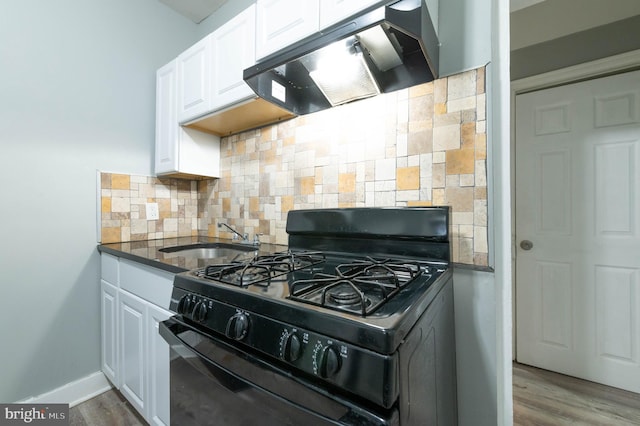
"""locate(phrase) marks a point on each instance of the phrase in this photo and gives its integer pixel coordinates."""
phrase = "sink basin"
(211, 251)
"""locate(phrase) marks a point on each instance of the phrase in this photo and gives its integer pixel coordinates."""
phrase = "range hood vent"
(382, 50)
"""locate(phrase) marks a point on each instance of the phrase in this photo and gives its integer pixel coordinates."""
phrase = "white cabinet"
(233, 50)
(333, 11)
(166, 119)
(194, 80)
(109, 309)
(180, 151)
(131, 341)
(280, 23)
(157, 365)
(135, 357)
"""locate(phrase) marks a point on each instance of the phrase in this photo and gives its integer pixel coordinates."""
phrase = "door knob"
(526, 245)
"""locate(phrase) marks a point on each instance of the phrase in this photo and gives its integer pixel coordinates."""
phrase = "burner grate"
(360, 287)
(261, 270)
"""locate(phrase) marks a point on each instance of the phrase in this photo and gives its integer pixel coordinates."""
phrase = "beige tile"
(462, 218)
(466, 250)
(480, 212)
(307, 185)
(120, 204)
(440, 91)
(480, 80)
(110, 235)
(481, 173)
(448, 119)
(468, 135)
(287, 203)
(105, 180)
(480, 239)
(480, 192)
(139, 226)
(467, 180)
(447, 137)
(481, 259)
(420, 142)
(461, 199)
(439, 175)
(421, 90)
(119, 181)
(439, 157)
(421, 108)
(461, 104)
(105, 203)
(461, 85)
(481, 146)
(347, 183)
(408, 178)
(460, 161)
(419, 203)
(438, 197)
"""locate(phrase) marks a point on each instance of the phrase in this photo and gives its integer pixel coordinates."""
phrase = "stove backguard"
(421, 232)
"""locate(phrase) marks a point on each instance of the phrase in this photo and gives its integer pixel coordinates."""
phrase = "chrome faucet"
(236, 234)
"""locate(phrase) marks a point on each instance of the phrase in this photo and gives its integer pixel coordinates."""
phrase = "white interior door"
(578, 230)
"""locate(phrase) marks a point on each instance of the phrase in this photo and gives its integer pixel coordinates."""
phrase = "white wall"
(475, 33)
(77, 91)
(464, 35)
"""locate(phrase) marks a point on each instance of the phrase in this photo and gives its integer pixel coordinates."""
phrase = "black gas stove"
(345, 309)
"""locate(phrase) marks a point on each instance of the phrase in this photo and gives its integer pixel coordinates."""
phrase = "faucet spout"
(244, 237)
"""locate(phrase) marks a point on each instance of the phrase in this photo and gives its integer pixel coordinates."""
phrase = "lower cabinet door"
(132, 325)
(109, 311)
(158, 368)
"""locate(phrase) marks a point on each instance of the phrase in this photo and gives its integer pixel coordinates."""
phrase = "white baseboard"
(75, 392)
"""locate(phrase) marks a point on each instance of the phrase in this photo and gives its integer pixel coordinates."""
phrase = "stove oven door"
(215, 383)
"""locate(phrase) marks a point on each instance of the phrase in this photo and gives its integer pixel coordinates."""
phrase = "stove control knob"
(329, 361)
(184, 305)
(292, 348)
(238, 326)
(200, 312)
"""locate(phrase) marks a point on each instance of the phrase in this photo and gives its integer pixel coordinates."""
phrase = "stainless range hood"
(381, 50)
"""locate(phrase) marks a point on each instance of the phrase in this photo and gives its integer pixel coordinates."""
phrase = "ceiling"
(197, 10)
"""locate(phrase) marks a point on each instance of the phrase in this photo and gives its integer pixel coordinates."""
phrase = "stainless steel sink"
(211, 251)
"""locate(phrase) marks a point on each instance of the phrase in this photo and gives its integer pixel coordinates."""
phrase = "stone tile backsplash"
(415, 147)
(123, 208)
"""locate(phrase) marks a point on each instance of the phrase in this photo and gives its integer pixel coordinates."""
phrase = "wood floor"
(540, 398)
(107, 409)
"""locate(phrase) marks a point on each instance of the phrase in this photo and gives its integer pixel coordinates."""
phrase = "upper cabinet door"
(194, 80)
(166, 156)
(283, 22)
(234, 49)
(332, 11)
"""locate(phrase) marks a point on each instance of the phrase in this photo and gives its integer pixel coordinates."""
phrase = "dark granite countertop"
(148, 252)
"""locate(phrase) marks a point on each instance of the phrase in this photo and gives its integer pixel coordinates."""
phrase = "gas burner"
(344, 294)
(359, 287)
(261, 270)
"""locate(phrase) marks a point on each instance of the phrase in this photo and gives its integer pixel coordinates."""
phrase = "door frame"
(590, 70)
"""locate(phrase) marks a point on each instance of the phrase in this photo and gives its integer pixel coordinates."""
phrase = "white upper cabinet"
(194, 80)
(233, 50)
(179, 150)
(280, 23)
(333, 11)
(166, 119)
